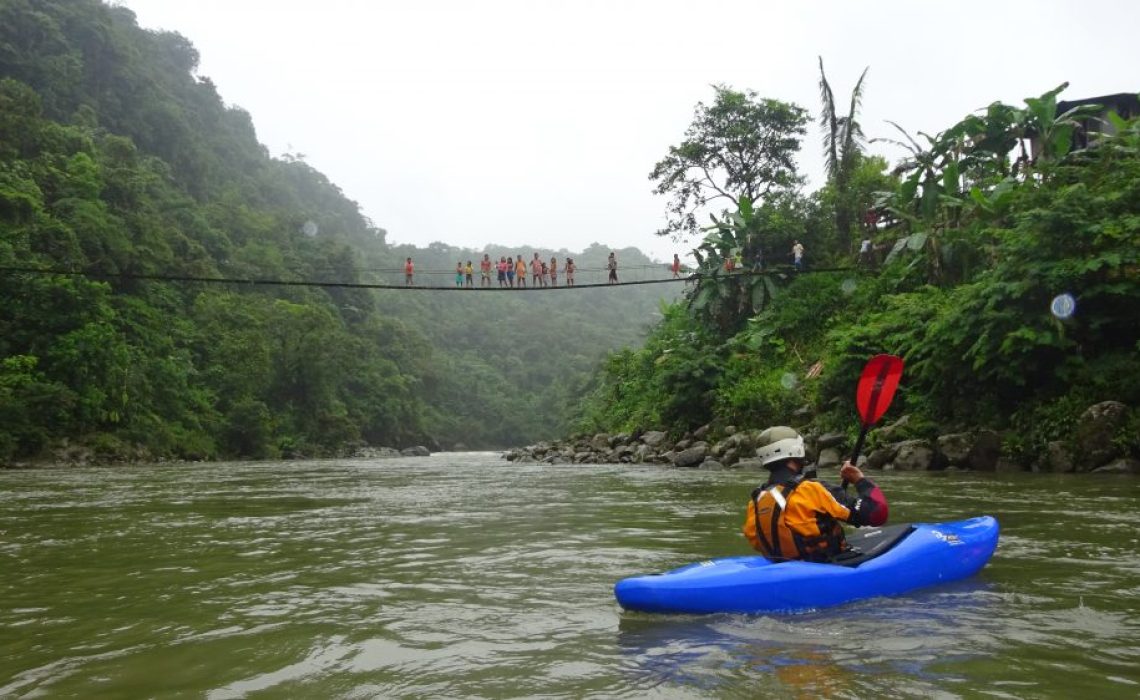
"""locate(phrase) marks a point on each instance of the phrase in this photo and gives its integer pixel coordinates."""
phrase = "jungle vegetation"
(120, 164)
(975, 233)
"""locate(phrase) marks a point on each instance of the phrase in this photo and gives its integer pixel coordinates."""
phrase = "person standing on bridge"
(520, 271)
(511, 272)
(676, 266)
(469, 271)
(553, 271)
(536, 271)
(485, 271)
(611, 265)
(569, 272)
(501, 268)
(409, 272)
(798, 255)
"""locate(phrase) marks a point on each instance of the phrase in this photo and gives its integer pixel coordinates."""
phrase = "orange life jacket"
(796, 520)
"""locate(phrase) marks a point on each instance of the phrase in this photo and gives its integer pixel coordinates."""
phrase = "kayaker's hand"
(851, 473)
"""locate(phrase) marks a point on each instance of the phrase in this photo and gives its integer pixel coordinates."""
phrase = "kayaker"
(798, 516)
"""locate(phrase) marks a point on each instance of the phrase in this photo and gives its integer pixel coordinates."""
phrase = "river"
(462, 575)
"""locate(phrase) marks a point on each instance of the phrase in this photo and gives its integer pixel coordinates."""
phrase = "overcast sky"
(534, 122)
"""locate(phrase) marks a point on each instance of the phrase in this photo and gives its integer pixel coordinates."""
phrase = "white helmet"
(779, 443)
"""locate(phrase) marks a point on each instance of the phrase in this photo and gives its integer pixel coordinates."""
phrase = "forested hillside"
(119, 166)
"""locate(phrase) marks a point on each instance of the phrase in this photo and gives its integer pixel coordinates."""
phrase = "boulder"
(1123, 465)
(623, 454)
(653, 438)
(620, 439)
(1057, 458)
(829, 457)
(692, 456)
(745, 443)
(731, 456)
(880, 458)
(887, 431)
(417, 451)
(702, 432)
(830, 440)
(1098, 425)
(914, 455)
(711, 465)
(955, 448)
(750, 465)
(985, 452)
(600, 443)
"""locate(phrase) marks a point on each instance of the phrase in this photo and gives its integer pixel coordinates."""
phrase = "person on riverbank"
(520, 272)
(798, 255)
(485, 271)
(795, 516)
(611, 265)
(409, 273)
(570, 267)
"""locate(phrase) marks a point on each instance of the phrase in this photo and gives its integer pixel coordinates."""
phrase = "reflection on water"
(822, 653)
(463, 575)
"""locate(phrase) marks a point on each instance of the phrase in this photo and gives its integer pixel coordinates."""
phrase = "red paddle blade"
(877, 387)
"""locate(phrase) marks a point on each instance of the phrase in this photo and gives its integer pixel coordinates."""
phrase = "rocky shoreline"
(1092, 449)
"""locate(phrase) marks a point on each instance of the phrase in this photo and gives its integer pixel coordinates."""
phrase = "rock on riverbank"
(1090, 450)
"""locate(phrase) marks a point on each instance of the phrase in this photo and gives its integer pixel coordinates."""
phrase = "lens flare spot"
(1063, 306)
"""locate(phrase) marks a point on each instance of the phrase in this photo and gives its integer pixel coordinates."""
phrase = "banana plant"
(722, 298)
(966, 172)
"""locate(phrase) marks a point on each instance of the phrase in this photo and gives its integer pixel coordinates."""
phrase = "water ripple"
(463, 576)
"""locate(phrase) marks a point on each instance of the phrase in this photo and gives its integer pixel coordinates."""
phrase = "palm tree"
(843, 144)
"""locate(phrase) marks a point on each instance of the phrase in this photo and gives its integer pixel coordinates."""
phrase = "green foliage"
(671, 381)
(740, 146)
(965, 299)
(117, 162)
(754, 393)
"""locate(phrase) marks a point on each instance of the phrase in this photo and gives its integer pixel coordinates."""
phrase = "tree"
(842, 147)
(740, 146)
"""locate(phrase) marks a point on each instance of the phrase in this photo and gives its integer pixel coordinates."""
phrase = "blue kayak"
(886, 561)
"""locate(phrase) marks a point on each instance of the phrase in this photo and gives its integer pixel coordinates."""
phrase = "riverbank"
(68, 455)
(898, 446)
